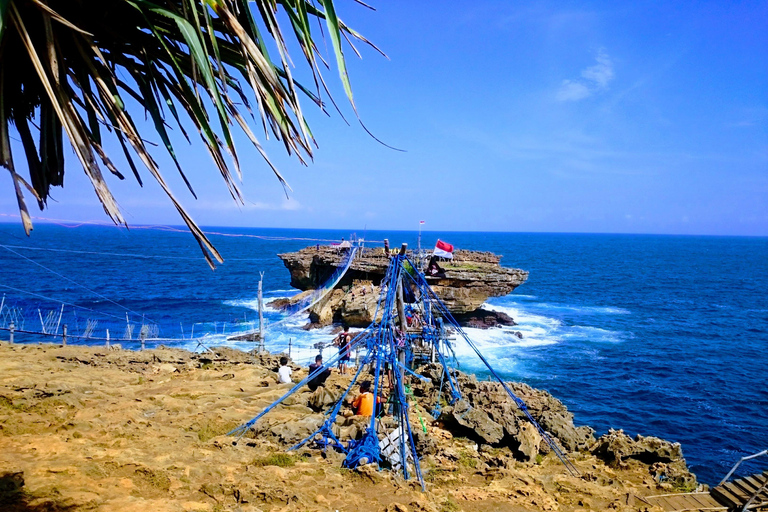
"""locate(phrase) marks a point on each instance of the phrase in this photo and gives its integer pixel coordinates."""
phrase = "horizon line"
(184, 228)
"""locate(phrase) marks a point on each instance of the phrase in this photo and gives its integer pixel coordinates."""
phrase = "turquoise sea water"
(658, 335)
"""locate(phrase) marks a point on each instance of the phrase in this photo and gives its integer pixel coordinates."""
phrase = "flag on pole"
(443, 250)
(421, 222)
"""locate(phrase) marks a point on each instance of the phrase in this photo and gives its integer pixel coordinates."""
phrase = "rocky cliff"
(469, 280)
(83, 428)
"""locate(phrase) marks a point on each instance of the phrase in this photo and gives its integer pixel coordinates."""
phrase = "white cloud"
(286, 205)
(572, 91)
(593, 79)
(601, 73)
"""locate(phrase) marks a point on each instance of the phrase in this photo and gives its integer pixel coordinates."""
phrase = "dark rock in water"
(484, 319)
(281, 303)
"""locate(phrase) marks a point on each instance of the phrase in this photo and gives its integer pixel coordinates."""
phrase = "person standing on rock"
(343, 342)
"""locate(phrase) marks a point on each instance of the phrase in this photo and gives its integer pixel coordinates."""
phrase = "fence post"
(290, 340)
(261, 314)
(13, 329)
(143, 336)
(64, 336)
(107, 338)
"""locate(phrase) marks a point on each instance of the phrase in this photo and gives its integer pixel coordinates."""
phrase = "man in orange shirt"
(363, 404)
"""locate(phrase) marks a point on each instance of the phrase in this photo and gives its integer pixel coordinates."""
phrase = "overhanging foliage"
(67, 67)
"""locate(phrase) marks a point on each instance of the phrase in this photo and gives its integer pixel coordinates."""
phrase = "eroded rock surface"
(469, 280)
(488, 415)
(83, 428)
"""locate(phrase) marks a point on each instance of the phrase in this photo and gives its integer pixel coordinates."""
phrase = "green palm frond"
(67, 67)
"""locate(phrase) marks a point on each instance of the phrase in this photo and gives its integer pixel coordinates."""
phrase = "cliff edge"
(468, 281)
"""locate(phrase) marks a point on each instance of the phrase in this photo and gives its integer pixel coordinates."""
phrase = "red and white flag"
(443, 250)
(421, 222)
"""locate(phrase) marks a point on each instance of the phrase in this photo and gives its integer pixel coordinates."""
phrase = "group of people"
(364, 404)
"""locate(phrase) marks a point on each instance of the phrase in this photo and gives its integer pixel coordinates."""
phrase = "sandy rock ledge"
(82, 428)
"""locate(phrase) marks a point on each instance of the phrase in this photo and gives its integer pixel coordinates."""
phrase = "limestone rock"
(292, 432)
(470, 278)
(322, 398)
(530, 441)
(616, 446)
(489, 416)
(475, 420)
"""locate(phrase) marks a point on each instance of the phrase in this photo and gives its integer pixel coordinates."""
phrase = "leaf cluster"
(69, 67)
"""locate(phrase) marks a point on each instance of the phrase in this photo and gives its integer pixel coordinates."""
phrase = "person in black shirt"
(320, 378)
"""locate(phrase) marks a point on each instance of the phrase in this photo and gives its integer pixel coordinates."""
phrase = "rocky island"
(468, 280)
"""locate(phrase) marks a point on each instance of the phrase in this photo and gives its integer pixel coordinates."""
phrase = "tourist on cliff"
(342, 341)
(319, 379)
(284, 372)
(364, 403)
(434, 270)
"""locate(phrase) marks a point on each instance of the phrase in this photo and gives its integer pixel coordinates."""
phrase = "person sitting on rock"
(284, 372)
(364, 402)
(319, 379)
(433, 269)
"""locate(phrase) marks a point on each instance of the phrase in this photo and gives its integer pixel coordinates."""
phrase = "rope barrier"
(74, 282)
(122, 254)
(172, 229)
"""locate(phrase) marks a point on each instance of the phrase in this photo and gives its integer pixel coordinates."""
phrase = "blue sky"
(646, 117)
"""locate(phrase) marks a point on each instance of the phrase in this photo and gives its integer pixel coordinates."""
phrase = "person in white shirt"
(284, 372)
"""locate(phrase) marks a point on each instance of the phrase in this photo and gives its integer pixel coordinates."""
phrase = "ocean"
(658, 335)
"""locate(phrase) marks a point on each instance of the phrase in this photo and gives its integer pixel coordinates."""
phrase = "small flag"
(443, 250)
(421, 222)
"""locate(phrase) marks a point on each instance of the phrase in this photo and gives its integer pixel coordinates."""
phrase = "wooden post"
(12, 330)
(386, 246)
(290, 340)
(107, 339)
(261, 314)
(143, 336)
(400, 300)
(64, 336)
(401, 307)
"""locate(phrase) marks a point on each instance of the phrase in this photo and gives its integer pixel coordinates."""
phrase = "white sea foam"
(500, 346)
(539, 329)
(254, 304)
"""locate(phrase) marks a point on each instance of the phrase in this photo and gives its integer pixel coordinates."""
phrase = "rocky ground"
(85, 428)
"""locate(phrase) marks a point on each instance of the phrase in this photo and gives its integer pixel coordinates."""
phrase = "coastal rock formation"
(488, 415)
(484, 319)
(470, 278)
(83, 428)
(664, 458)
